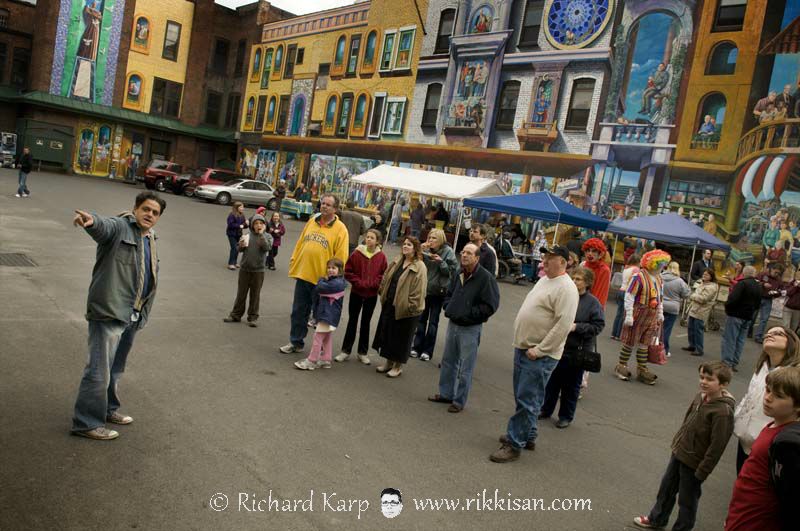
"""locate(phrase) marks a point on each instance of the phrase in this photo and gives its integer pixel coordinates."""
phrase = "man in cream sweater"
(540, 330)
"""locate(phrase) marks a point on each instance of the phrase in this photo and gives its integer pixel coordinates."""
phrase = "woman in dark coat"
(567, 376)
(402, 294)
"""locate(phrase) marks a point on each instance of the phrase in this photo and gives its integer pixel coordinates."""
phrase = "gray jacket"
(440, 273)
(116, 287)
(254, 256)
(675, 290)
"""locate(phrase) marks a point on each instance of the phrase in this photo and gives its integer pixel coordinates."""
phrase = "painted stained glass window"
(573, 23)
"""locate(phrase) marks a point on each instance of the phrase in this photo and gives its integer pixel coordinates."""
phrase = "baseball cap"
(556, 249)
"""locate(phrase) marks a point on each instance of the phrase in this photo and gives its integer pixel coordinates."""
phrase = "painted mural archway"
(298, 112)
(95, 149)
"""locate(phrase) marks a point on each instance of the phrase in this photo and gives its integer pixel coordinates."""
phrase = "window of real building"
(323, 75)
(213, 107)
(395, 112)
(283, 114)
(376, 115)
(343, 121)
(291, 55)
(241, 50)
(260, 112)
(267, 67)
(219, 61)
(19, 67)
(432, 99)
(352, 59)
(256, 70)
(232, 113)
(166, 98)
(531, 22)
(387, 52)
(730, 15)
(301, 53)
(509, 95)
(405, 46)
(722, 61)
(580, 104)
(3, 59)
(446, 23)
(4, 15)
(172, 41)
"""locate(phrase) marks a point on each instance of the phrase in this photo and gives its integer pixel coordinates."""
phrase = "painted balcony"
(777, 137)
(537, 136)
(639, 144)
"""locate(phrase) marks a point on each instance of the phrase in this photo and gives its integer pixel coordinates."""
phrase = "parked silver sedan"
(247, 191)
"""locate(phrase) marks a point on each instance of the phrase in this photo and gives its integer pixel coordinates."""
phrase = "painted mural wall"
(86, 49)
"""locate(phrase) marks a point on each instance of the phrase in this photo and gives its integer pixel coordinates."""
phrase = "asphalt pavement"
(229, 435)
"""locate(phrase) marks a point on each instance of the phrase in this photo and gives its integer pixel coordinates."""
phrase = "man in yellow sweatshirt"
(324, 237)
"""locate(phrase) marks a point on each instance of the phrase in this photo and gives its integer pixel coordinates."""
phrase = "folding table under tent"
(668, 228)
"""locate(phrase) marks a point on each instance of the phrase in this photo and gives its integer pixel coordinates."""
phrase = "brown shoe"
(530, 445)
(100, 433)
(119, 418)
(454, 409)
(622, 372)
(440, 399)
(395, 371)
(505, 454)
(644, 375)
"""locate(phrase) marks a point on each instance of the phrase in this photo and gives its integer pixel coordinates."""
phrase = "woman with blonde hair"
(675, 290)
(441, 263)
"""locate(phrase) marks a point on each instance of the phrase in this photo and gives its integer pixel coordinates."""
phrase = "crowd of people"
(554, 338)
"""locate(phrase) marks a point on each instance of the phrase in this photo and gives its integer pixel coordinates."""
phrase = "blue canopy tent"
(668, 228)
(539, 205)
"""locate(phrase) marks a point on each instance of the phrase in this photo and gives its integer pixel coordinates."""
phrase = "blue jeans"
(234, 253)
(763, 317)
(530, 382)
(425, 339)
(669, 323)
(458, 362)
(23, 183)
(394, 230)
(109, 345)
(733, 338)
(301, 310)
(696, 329)
(564, 386)
(619, 298)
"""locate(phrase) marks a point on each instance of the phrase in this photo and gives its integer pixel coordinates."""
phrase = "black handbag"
(588, 360)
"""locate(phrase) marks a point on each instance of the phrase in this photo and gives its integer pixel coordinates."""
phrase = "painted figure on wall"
(468, 107)
(481, 20)
(141, 37)
(656, 84)
(92, 20)
(85, 150)
(541, 106)
(134, 91)
(265, 165)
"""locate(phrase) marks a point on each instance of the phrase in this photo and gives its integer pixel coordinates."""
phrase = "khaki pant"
(249, 282)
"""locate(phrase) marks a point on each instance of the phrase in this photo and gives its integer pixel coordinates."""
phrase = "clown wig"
(596, 244)
(655, 259)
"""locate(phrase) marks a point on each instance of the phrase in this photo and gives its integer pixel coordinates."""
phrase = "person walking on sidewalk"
(254, 246)
(236, 222)
(472, 298)
(540, 331)
(121, 295)
(364, 271)
(742, 304)
(25, 164)
(324, 237)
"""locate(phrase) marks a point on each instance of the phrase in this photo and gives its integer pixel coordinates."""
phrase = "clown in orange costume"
(595, 251)
(644, 315)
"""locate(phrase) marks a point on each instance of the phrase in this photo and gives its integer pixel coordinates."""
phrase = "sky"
(298, 7)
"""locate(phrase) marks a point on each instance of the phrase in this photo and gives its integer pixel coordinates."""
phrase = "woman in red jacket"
(364, 271)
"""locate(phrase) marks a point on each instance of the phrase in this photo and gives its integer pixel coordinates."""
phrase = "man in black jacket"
(471, 299)
(25, 165)
(743, 301)
(784, 470)
(696, 273)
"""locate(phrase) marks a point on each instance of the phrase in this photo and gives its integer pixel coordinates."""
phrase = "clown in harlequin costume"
(644, 314)
(595, 251)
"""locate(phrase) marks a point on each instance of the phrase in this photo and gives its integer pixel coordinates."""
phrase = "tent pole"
(689, 276)
(555, 234)
(458, 225)
(614, 253)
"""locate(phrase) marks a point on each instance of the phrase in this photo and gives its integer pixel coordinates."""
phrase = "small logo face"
(391, 502)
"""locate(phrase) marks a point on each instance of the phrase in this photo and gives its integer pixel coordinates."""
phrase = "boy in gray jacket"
(254, 248)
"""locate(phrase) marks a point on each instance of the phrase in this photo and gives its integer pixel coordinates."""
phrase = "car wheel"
(188, 192)
(224, 198)
(161, 185)
(272, 204)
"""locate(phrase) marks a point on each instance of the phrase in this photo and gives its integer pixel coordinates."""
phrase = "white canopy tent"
(430, 183)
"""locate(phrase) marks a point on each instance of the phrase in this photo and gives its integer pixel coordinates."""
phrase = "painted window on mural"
(85, 148)
(297, 117)
(261, 110)
(369, 49)
(360, 114)
(722, 61)
(446, 23)
(531, 22)
(291, 55)
(481, 21)
(338, 59)
(580, 104)
(404, 47)
(387, 52)
(395, 110)
(344, 115)
(352, 59)
(576, 23)
(468, 106)
(710, 118)
(267, 67)
(432, 101)
(730, 15)
(251, 108)
(141, 35)
(541, 105)
(273, 101)
(376, 115)
(283, 114)
(509, 95)
(278, 59)
(704, 194)
(172, 41)
(133, 91)
(330, 112)
(256, 70)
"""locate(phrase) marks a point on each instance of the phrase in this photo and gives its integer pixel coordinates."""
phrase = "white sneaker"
(323, 364)
(424, 357)
(289, 349)
(305, 365)
(669, 354)
(414, 353)
(363, 358)
(17, 195)
(342, 356)
(26, 195)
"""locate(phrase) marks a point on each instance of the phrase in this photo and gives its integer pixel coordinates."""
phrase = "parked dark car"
(163, 175)
(203, 176)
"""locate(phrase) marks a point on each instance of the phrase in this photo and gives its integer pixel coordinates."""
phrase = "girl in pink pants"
(328, 300)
